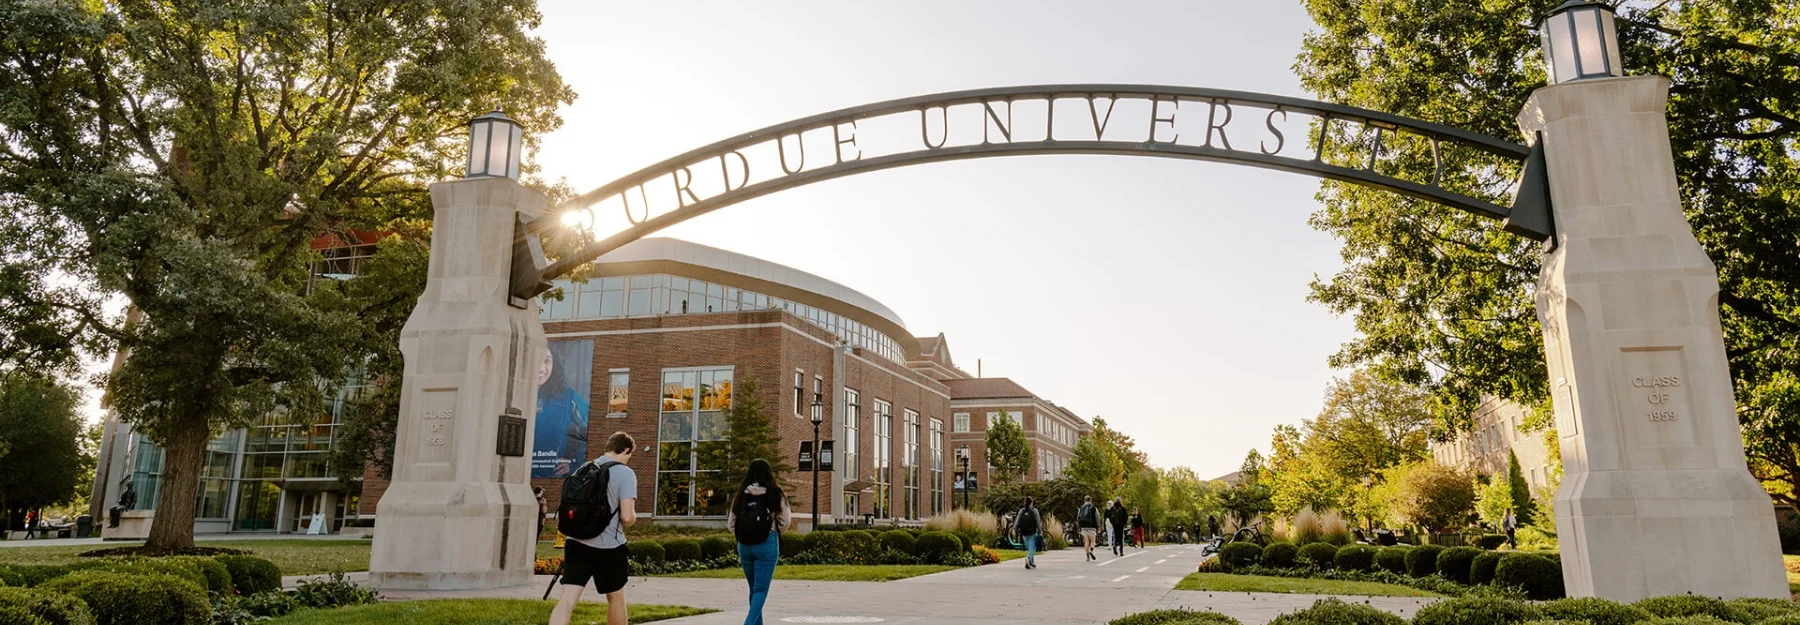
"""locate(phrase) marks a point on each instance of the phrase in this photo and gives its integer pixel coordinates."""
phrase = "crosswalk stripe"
(1143, 569)
(1120, 578)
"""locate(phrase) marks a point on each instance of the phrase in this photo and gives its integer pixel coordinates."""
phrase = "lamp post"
(818, 417)
(494, 146)
(962, 453)
(1580, 42)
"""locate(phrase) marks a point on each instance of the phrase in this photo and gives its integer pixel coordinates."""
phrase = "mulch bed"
(122, 552)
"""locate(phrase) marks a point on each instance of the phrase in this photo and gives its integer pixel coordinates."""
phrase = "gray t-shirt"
(621, 485)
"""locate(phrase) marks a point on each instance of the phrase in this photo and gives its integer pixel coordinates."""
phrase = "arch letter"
(841, 142)
(781, 149)
(1212, 113)
(1094, 114)
(1005, 132)
(725, 172)
(1170, 120)
(1280, 141)
(625, 198)
(925, 127)
(682, 187)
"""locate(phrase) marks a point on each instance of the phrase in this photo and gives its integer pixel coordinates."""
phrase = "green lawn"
(294, 557)
(474, 612)
(1226, 582)
(829, 572)
(1793, 564)
(1008, 555)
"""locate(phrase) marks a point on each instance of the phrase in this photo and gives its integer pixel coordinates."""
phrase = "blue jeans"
(1030, 548)
(759, 569)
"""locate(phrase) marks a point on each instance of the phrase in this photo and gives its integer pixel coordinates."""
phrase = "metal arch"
(1435, 133)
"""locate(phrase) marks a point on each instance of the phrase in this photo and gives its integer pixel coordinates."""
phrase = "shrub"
(1481, 569)
(1539, 576)
(1688, 620)
(792, 544)
(975, 528)
(1791, 619)
(933, 547)
(1453, 563)
(1422, 560)
(984, 555)
(647, 551)
(14, 615)
(1178, 616)
(1595, 611)
(1490, 542)
(1307, 527)
(715, 547)
(148, 566)
(1053, 535)
(901, 541)
(251, 575)
(30, 575)
(1354, 558)
(1334, 529)
(1475, 611)
(218, 578)
(1336, 612)
(681, 549)
(333, 592)
(1693, 605)
(1392, 559)
(1280, 555)
(1321, 555)
(1546, 621)
(122, 599)
(1761, 609)
(873, 536)
(1234, 555)
(50, 607)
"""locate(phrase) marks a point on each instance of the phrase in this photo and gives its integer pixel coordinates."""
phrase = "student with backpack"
(1028, 523)
(758, 515)
(1116, 518)
(1088, 519)
(599, 501)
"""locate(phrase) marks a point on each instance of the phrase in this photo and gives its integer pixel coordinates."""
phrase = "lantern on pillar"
(1580, 42)
(494, 146)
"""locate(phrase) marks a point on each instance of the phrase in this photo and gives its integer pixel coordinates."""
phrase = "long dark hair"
(757, 473)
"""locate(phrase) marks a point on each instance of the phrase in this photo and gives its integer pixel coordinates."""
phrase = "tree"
(1445, 300)
(1301, 478)
(1094, 463)
(1131, 460)
(1250, 497)
(185, 155)
(1368, 425)
(1431, 495)
(1144, 493)
(1520, 489)
(1493, 497)
(46, 462)
(1007, 450)
(749, 434)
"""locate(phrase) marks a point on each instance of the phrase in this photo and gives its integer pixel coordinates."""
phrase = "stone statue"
(127, 501)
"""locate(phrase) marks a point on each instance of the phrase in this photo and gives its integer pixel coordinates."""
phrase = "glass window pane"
(612, 304)
(677, 426)
(712, 426)
(672, 491)
(589, 306)
(675, 456)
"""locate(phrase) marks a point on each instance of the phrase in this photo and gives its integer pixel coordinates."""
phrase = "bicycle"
(1249, 533)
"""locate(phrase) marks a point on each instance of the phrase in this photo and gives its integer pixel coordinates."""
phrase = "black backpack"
(1028, 521)
(755, 516)
(1088, 516)
(585, 511)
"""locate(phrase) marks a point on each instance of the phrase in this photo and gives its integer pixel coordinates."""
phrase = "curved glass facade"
(651, 295)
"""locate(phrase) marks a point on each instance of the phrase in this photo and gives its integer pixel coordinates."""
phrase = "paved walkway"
(199, 538)
(1064, 590)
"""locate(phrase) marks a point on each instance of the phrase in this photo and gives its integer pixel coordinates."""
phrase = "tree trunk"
(179, 490)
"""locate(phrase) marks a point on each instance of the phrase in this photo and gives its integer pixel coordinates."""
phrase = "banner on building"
(565, 383)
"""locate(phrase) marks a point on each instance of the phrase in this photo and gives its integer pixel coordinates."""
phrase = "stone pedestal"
(133, 525)
(1655, 498)
(458, 515)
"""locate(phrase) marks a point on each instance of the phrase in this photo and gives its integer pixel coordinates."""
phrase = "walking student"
(1511, 525)
(1137, 527)
(1028, 523)
(543, 511)
(758, 516)
(1088, 520)
(1116, 518)
(599, 501)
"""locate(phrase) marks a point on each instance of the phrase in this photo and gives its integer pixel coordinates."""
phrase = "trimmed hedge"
(1490, 542)
(1422, 560)
(1240, 554)
(715, 547)
(1453, 563)
(148, 566)
(1689, 620)
(901, 541)
(218, 578)
(1481, 569)
(1353, 558)
(1280, 554)
(1475, 611)
(1392, 559)
(123, 599)
(1178, 616)
(30, 575)
(1693, 605)
(1539, 576)
(934, 546)
(251, 575)
(50, 607)
(792, 544)
(647, 550)
(1322, 555)
(1762, 609)
(681, 550)
(14, 615)
(1595, 611)
(1337, 612)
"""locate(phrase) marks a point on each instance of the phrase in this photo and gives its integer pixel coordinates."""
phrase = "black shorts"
(609, 568)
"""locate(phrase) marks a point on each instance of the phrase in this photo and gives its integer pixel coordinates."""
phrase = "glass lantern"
(494, 146)
(1580, 42)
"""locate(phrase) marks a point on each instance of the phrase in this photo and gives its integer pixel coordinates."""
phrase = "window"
(937, 466)
(618, 393)
(909, 462)
(694, 402)
(960, 422)
(996, 417)
(818, 392)
(883, 454)
(852, 421)
(799, 391)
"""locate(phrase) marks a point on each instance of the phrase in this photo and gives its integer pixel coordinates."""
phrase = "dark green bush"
(1475, 611)
(30, 575)
(1547, 621)
(901, 541)
(1693, 605)
(1422, 560)
(52, 607)
(1688, 620)
(647, 550)
(865, 544)
(933, 547)
(218, 578)
(1279, 555)
(1321, 555)
(715, 547)
(269, 604)
(1791, 619)
(250, 574)
(1761, 609)
(873, 536)
(9, 577)
(1539, 576)
(792, 544)
(1178, 616)
(1453, 563)
(1490, 542)
(1481, 569)
(148, 566)
(968, 544)
(127, 599)
(333, 592)
(1337, 612)
(14, 615)
(1595, 611)
(681, 549)
(1355, 558)
(1392, 559)
(1234, 555)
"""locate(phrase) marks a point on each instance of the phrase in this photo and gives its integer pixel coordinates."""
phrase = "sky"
(1165, 296)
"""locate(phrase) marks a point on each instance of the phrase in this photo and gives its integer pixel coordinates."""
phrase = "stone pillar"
(457, 515)
(1656, 498)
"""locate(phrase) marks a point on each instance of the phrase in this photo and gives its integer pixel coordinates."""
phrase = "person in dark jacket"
(1212, 526)
(1137, 528)
(1088, 520)
(1116, 518)
(1028, 523)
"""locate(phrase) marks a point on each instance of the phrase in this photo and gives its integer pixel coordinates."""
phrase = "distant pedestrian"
(1028, 523)
(1212, 527)
(596, 530)
(758, 516)
(32, 519)
(1116, 518)
(1137, 528)
(1180, 533)
(1511, 525)
(542, 511)
(1087, 519)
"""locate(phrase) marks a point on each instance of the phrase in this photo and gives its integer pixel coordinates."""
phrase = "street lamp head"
(818, 412)
(1580, 42)
(494, 142)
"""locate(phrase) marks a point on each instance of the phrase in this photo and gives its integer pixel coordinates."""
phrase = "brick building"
(674, 329)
